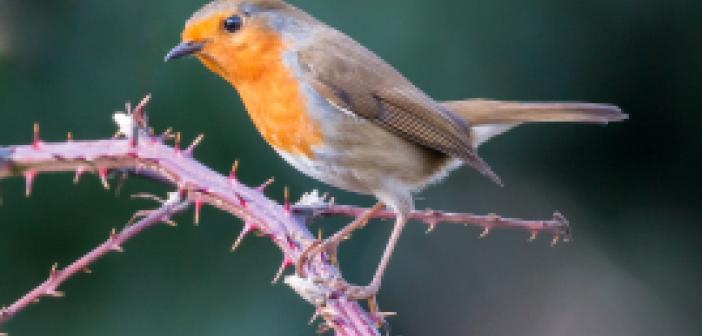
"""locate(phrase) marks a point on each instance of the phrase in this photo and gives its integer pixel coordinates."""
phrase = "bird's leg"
(369, 292)
(330, 244)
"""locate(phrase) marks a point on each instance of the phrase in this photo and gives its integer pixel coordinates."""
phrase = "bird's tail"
(489, 118)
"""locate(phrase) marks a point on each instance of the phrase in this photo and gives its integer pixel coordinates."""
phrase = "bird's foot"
(354, 293)
(369, 293)
(318, 247)
(330, 245)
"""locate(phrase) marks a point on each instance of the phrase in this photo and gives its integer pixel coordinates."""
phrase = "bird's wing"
(357, 81)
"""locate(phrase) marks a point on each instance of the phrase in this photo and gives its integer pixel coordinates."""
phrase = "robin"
(340, 114)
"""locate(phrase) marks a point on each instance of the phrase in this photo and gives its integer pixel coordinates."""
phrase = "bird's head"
(237, 38)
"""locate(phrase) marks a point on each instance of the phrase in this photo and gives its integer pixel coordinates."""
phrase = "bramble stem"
(558, 227)
(141, 152)
(57, 277)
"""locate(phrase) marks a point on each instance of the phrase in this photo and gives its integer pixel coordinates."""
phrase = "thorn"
(485, 233)
(149, 197)
(232, 173)
(286, 200)
(170, 222)
(320, 234)
(53, 273)
(139, 111)
(177, 143)
(533, 236)
(79, 172)
(113, 237)
(431, 220)
(55, 293)
(262, 188)
(102, 174)
(555, 241)
(244, 232)
(36, 143)
(283, 266)
(87, 270)
(139, 214)
(315, 316)
(29, 177)
(69, 136)
(194, 144)
(432, 226)
(373, 305)
(198, 209)
(386, 314)
(166, 135)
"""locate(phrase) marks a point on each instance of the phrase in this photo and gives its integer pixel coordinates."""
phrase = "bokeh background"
(631, 190)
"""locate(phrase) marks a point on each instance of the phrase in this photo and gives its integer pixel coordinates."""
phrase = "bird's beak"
(184, 49)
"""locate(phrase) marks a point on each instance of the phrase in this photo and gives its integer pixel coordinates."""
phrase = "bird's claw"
(369, 293)
(328, 247)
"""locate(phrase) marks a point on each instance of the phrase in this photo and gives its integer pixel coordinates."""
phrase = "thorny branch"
(313, 206)
(49, 288)
(138, 150)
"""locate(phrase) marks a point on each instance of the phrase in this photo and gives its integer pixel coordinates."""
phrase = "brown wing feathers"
(418, 119)
(354, 79)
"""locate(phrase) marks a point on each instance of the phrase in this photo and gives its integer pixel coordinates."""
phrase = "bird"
(340, 114)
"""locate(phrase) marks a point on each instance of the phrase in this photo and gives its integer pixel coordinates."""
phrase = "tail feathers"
(489, 118)
(475, 161)
(490, 112)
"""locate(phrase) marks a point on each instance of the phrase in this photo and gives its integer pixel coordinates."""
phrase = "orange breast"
(270, 92)
(277, 108)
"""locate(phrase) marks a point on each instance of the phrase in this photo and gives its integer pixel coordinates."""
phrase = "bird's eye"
(233, 23)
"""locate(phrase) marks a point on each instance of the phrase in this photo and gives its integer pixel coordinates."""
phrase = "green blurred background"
(631, 190)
